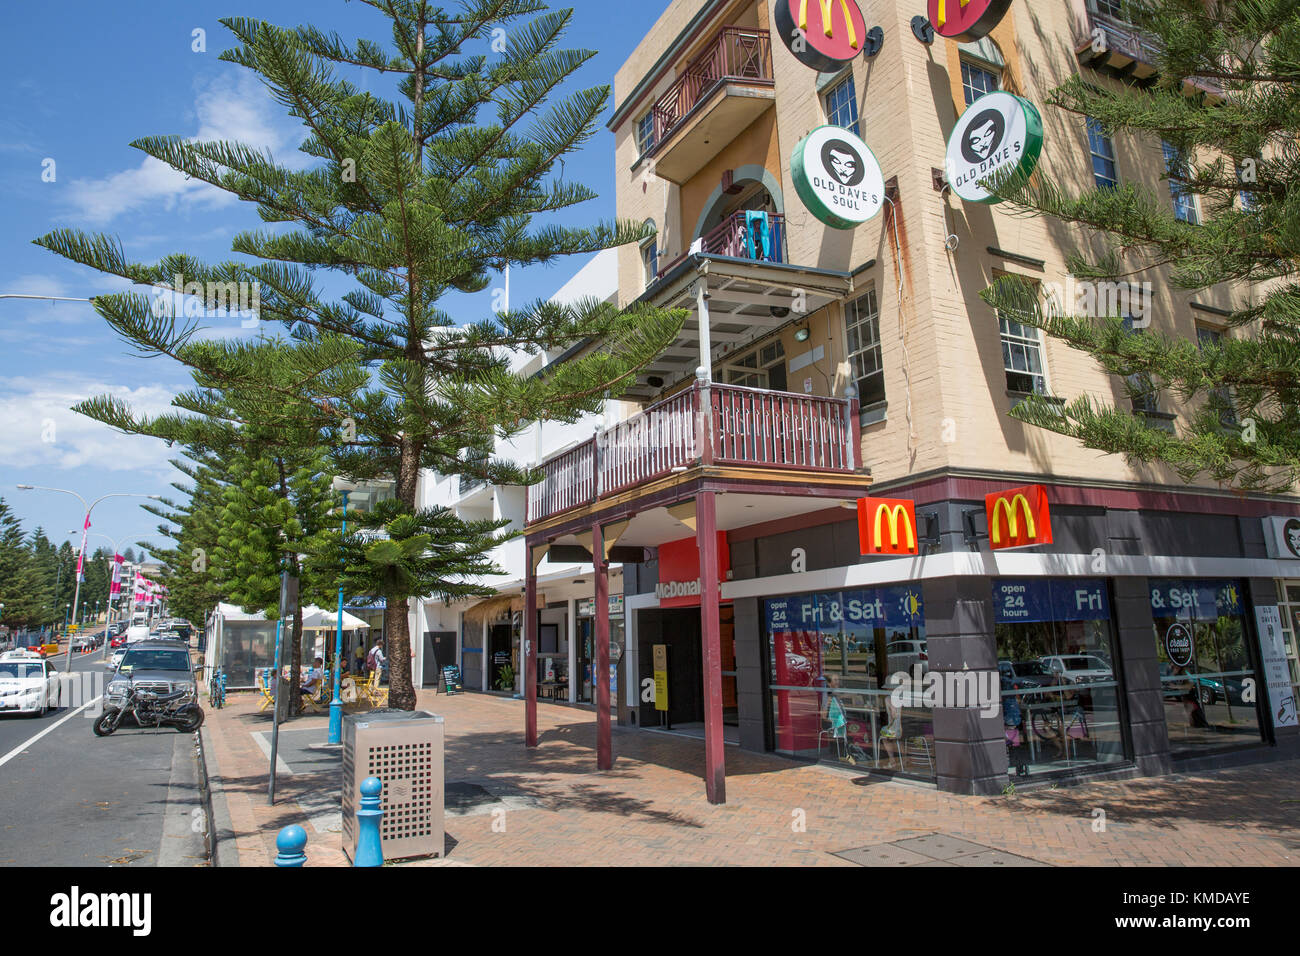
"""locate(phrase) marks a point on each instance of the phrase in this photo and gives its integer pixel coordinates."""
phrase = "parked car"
(1209, 690)
(1078, 668)
(904, 655)
(28, 684)
(1025, 675)
(160, 667)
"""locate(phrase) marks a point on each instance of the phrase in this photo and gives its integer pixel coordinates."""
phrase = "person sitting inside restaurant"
(313, 677)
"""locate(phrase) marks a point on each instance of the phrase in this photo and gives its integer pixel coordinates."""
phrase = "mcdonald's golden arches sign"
(1018, 517)
(887, 526)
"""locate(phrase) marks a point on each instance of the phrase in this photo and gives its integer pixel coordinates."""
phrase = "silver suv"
(159, 667)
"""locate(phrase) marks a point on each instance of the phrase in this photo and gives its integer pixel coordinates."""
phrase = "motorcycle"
(152, 710)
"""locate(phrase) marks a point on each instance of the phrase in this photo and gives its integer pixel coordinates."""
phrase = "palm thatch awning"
(495, 608)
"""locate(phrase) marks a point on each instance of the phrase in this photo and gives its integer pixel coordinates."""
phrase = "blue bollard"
(370, 851)
(289, 844)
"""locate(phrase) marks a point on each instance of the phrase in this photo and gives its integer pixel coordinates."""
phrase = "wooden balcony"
(744, 428)
(1116, 47)
(741, 236)
(719, 94)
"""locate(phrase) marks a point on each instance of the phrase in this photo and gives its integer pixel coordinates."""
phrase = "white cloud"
(234, 108)
(41, 430)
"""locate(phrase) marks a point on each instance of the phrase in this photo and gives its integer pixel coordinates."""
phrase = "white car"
(116, 658)
(1078, 668)
(28, 684)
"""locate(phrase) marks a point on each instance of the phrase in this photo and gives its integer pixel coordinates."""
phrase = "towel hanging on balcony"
(758, 235)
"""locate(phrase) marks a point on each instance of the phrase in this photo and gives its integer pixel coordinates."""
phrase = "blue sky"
(83, 80)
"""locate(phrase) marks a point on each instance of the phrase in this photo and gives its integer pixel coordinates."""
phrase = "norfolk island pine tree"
(410, 200)
(1238, 154)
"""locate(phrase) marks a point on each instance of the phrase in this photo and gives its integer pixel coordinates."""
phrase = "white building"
(483, 636)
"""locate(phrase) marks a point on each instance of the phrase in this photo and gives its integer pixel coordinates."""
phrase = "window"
(1022, 353)
(764, 367)
(645, 133)
(976, 80)
(1102, 148)
(862, 322)
(1202, 638)
(1184, 201)
(842, 105)
(1060, 692)
(650, 258)
(1142, 389)
(1109, 8)
(834, 663)
(1207, 337)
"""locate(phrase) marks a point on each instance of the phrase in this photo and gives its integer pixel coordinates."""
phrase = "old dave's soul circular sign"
(837, 177)
(822, 34)
(998, 132)
(967, 20)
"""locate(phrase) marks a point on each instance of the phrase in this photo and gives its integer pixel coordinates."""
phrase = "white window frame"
(834, 87)
(1101, 133)
(851, 320)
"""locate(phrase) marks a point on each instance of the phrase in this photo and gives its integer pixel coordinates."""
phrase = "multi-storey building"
(1144, 625)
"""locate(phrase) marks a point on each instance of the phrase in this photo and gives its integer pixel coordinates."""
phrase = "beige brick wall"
(941, 346)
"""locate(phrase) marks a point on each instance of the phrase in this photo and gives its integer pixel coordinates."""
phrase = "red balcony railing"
(745, 235)
(1109, 34)
(736, 54)
(750, 427)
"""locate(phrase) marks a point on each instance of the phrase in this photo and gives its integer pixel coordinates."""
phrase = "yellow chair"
(316, 701)
(264, 685)
(372, 692)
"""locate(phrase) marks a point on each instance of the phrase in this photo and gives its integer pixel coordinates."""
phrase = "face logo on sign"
(985, 136)
(843, 162)
(837, 177)
(1291, 533)
(967, 20)
(999, 134)
(822, 34)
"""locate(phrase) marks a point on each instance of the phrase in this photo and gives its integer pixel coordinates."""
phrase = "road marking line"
(64, 719)
(265, 745)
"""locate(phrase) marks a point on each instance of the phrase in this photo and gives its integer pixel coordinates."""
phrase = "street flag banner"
(115, 583)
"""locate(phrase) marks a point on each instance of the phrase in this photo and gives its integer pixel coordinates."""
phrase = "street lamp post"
(85, 527)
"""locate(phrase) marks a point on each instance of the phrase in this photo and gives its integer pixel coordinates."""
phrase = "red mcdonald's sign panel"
(822, 34)
(1018, 517)
(887, 526)
(679, 571)
(967, 20)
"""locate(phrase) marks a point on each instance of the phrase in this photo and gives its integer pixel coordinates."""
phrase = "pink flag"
(115, 585)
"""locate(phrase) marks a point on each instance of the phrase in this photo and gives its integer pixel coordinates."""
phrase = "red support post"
(530, 649)
(706, 536)
(600, 679)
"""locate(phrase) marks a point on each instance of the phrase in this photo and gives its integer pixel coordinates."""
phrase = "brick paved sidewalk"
(650, 809)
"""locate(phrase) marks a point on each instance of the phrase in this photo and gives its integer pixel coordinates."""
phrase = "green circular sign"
(837, 177)
(999, 131)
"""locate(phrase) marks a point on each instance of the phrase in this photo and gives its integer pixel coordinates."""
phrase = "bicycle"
(217, 689)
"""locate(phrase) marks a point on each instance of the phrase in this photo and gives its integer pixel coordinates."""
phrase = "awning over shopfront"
(494, 608)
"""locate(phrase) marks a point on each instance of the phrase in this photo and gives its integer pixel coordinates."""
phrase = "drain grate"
(935, 849)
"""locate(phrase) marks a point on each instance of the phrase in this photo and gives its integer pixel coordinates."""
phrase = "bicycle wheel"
(1047, 724)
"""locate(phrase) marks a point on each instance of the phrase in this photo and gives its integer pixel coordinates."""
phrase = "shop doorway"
(501, 671)
(439, 652)
(679, 630)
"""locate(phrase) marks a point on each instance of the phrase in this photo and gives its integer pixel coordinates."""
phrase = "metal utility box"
(404, 749)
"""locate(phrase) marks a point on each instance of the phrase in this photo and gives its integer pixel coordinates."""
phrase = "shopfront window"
(1207, 677)
(831, 657)
(1056, 668)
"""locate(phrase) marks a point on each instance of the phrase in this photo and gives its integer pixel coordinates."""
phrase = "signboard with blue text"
(1194, 599)
(1026, 600)
(833, 611)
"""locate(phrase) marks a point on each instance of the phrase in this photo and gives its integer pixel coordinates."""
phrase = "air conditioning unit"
(404, 749)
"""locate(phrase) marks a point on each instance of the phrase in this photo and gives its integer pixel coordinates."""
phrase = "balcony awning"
(747, 299)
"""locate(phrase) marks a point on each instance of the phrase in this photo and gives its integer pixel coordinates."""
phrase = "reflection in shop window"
(1056, 669)
(1207, 680)
(830, 660)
